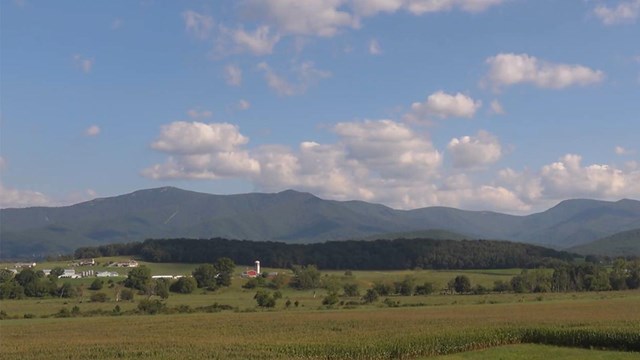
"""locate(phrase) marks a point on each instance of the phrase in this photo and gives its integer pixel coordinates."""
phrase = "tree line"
(351, 254)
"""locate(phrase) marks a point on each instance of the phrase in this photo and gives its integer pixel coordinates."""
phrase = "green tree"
(618, 275)
(425, 289)
(161, 288)
(96, 284)
(461, 284)
(5, 275)
(370, 296)
(351, 290)
(406, 286)
(138, 278)
(184, 285)
(225, 268)
(126, 294)
(265, 299)
(330, 299)
(151, 307)
(307, 277)
(382, 289)
(67, 290)
(205, 276)
(56, 272)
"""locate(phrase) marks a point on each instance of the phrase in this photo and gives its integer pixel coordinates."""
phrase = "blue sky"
(506, 105)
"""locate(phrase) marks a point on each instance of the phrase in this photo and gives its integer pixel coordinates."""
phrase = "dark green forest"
(353, 254)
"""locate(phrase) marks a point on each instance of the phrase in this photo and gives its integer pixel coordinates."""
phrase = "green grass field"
(441, 324)
(539, 352)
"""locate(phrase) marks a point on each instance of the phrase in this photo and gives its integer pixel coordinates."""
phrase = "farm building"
(107, 274)
(252, 273)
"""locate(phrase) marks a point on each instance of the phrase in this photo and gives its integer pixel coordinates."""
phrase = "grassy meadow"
(433, 325)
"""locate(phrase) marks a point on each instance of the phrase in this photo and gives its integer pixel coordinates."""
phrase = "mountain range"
(292, 217)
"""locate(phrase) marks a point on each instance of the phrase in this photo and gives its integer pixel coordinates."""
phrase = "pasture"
(420, 327)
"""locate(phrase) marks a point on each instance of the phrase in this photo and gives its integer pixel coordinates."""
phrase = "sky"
(501, 105)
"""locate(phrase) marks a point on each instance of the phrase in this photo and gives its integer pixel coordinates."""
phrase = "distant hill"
(434, 234)
(625, 243)
(290, 217)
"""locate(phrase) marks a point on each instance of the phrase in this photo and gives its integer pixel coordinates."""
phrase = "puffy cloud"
(511, 69)
(83, 63)
(233, 75)
(443, 105)
(374, 47)
(311, 17)
(93, 130)
(189, 138)
(201, 151)
(306, 75)
(389, 148)
(475, 151)
(568, 178)
(15, 198)
(624, 12)
(198, 25)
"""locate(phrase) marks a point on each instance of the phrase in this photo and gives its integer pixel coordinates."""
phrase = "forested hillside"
(351, 254)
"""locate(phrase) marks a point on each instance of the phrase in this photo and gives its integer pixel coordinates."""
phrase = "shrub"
(184, 285)
(126, 294)
(150, 306)
(96, 284)
(99, 297)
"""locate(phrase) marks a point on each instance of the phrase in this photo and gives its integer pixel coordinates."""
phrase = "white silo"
(258, 267)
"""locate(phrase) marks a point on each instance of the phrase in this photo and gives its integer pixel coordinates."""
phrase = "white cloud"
(623, 12)
(201, 151)
(259, 42)
(311, 17)
(195, 137)
(475, 151)
(511, 69)
(496, 107)
(419, 7)
(306, 75)
(93, 130)
(568, 178)
(243, 104)
(620, 150)
(233, 75)
(443, 105)
(83, 63)
(198, 25)
(15, 198)
(374, 47)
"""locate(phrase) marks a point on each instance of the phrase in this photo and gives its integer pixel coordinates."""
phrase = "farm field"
(370, 333)
(538, 352)
(422, 326)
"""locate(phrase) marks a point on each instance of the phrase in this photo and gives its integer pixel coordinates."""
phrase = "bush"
(184, 285)
(426, 289)
(351, 290)
(150, 306)
(330, 299)
(96, 284)
(99, 297)
(370, 296)
(126, 294)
